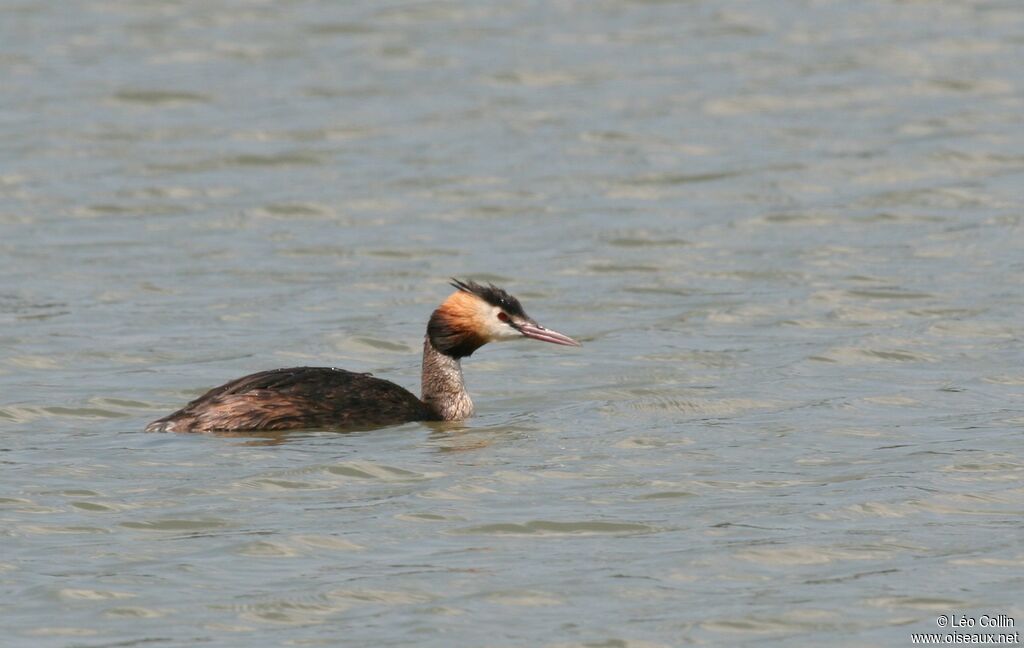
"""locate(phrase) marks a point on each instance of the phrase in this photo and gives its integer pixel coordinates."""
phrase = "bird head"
(476, 314)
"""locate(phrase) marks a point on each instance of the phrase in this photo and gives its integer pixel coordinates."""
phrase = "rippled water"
(788, 232)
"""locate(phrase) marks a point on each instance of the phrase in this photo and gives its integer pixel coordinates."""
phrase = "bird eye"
(503, 316)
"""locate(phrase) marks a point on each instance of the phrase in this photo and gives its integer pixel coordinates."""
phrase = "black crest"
(492, 295)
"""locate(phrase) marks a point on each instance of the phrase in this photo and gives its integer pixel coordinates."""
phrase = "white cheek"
(498, 331)
(507, 333)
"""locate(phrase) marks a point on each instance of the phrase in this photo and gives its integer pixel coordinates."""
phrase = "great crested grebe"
(325, 397)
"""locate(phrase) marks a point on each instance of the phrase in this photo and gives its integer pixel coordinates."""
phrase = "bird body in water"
(325, 397)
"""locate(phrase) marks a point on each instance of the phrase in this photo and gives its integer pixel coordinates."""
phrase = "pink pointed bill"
(538, 332)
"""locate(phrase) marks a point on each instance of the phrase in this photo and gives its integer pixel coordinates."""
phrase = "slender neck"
(443, 389)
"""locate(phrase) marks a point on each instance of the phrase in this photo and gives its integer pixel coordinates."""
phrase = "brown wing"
(299, 397)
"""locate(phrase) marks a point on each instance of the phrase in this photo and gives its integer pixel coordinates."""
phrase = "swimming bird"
(326, 397)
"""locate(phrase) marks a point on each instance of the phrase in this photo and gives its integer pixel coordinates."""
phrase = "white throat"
(442, 387)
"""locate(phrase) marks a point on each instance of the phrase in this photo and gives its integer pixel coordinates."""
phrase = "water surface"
(787, 232)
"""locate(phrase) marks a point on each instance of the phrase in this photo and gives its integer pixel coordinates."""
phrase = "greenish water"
(788, 233)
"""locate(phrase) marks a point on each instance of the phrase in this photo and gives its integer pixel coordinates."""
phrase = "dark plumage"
(306, 397)
(323, 397)
(492, 295)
